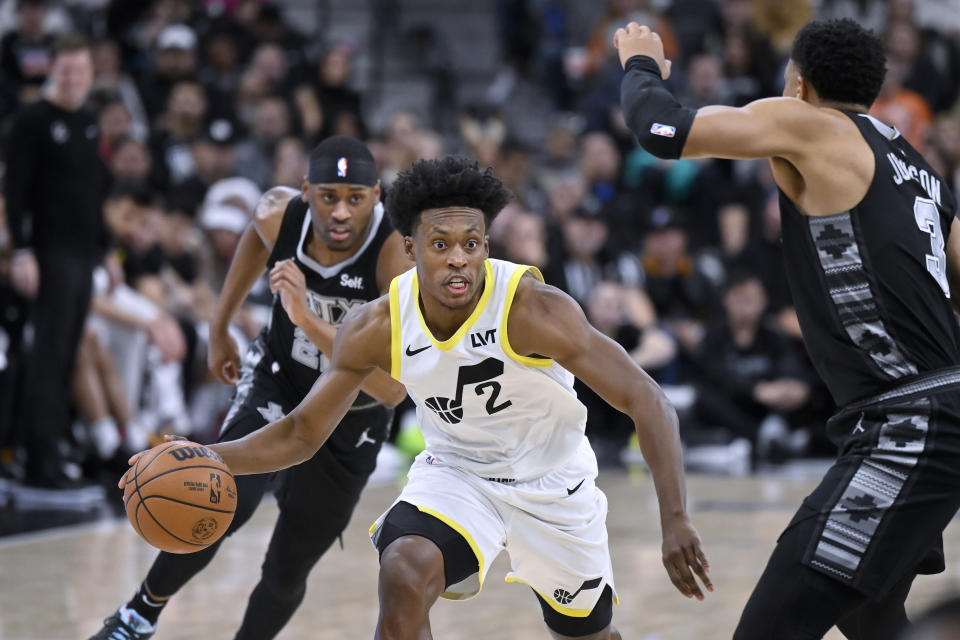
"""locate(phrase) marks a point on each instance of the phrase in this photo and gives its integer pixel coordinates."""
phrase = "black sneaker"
(125, 624)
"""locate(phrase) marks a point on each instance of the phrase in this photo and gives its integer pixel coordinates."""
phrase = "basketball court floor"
(61, 583)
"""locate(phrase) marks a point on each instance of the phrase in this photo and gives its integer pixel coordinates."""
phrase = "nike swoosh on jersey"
(413, 352)
(570, 492)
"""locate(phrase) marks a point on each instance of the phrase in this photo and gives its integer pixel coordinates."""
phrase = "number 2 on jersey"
(304, 351)
(928, 219)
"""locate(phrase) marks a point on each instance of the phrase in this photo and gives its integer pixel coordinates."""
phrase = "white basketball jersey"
(481, 406)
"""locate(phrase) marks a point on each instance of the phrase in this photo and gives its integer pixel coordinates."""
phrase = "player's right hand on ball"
(169, 437)
(683, 557)
(223, 357)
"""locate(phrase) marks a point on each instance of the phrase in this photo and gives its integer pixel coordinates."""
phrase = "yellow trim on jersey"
(567, 611)
(453, 340)
(395, 340)
(466, 536)
(504, 339)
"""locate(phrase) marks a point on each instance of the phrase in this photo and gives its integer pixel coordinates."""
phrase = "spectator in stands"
(174, 61)
(220, 72)
(114, 121)
(931, 58)
(130, 161)
(289, 163)
(586, 259)
(177, 128)
(109, 77)
(340, 104)
(599, 165)
(625, 315)
(255, 154)
(901, 107)
(681, 293)
(56, 182)
(706, 83)
(750, 378)
(213, 155)
(26, 54)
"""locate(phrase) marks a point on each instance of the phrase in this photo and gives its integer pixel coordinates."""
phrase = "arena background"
(202, 106)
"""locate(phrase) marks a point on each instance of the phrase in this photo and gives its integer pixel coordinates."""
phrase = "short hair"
(141, 194)
(445, 182)
(841, 60)
(70, 43)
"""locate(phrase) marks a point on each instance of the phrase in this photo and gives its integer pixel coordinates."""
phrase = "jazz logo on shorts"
(664, 130)
(342, 168)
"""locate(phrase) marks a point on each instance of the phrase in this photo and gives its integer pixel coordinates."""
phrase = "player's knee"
(411, 573)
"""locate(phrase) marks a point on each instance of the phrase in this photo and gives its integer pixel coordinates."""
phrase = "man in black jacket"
(55, 184)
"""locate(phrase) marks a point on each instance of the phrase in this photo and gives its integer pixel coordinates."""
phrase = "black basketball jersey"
(287, 352)
(870, 284)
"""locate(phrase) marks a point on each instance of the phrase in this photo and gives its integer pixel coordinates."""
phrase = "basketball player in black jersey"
(329, 248)
(873, 251)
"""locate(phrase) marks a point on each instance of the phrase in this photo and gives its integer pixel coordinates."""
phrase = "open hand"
(683, 557)
(637, 40)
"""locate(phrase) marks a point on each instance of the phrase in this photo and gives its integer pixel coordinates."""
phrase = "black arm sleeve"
(660, 123)
(21, 161)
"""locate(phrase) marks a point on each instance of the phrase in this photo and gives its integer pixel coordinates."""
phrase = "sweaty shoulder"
(363, 340)
(268, 214)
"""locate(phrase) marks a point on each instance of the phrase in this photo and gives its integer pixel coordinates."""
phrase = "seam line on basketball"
(189, 504)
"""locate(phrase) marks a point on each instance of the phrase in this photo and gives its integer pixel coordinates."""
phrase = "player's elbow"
(303, 440)
(650, 400)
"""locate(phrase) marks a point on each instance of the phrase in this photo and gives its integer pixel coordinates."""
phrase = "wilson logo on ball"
(186, 453)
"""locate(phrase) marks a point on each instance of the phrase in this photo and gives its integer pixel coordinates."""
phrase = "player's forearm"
(379, 385)
(659, 438)
(660, 123)
(289, 441)
(247, 265)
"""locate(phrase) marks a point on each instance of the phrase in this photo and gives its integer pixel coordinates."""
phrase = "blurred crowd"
(202, 106)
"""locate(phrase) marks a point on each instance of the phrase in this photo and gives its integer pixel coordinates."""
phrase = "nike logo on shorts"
(570, 492)
(413, 352)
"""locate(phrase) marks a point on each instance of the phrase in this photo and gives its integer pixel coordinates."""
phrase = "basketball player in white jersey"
(488, 353)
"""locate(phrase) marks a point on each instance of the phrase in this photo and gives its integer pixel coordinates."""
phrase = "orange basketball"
(180, 497)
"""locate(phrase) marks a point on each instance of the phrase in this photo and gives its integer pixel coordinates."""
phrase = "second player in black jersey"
(328, 248)
(872, 245)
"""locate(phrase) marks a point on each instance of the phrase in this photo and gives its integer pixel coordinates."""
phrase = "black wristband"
(643, 63)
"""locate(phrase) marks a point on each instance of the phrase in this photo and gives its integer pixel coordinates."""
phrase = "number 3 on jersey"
(928, 219)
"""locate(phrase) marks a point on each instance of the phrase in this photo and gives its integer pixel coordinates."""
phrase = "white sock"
(105, 436)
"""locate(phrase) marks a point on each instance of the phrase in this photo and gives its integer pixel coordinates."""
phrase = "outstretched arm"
(362, 344)
(606, 368)
(772, 127)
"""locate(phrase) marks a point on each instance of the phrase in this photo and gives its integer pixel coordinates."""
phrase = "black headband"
(344, 169)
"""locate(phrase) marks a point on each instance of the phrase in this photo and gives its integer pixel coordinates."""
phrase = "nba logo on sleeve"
(342, 168)
(664, 130)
